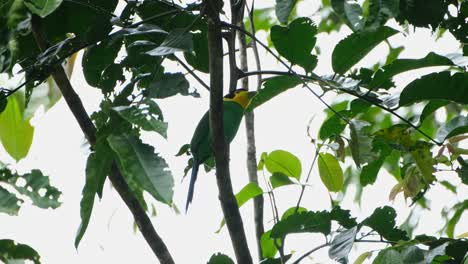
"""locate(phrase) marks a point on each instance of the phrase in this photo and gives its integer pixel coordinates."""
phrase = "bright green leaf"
(279, 179)
(250, 191)
(283, 9)
(42, 8)
(292, 211)
(353, 48)
(273, 87)
(268, 245)
(330, 172)
(456, 126)
(363, 257)
(284, 162)
(303, 222)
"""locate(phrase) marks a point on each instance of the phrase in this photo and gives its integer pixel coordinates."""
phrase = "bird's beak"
(251, 94)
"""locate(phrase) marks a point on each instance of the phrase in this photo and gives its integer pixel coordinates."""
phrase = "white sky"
(59, 151)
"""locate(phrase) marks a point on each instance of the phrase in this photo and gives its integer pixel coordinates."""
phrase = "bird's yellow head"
(240, 96)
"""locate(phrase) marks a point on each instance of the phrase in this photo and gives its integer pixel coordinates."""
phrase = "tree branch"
(76, 106)
(221, 149)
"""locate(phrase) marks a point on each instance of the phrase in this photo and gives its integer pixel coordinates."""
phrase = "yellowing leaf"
(330, 172)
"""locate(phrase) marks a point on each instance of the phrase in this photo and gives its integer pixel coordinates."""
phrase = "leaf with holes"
(9, 203)
(330, 172)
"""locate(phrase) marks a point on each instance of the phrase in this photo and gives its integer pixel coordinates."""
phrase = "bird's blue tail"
(193, 179)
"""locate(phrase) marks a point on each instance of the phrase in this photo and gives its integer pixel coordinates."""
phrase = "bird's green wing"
(201, 143)
(233, 114)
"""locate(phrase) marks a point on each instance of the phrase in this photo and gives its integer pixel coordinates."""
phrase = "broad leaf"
(388, 256)
(360, 142)
(10, 251)
(271, 88)
(296, 41)
(9, 203)
(421, 153)
(169, 84)
(178, 40)
(382, 221)
(220, 258)
(276, 260)
(334, 125)
(42, 8)
(141, 116)
(330, 172)
(283, 9)
(456, 126)
(349, 12)
(310, 222)
(280, 161)
(268, 245)
(431, 107)
(380, 11)
(402, 65)
(141, 165)
(343, 217)
(353, 48)
(342, 244)
(16, 133)
(199, 56)
(279, 179)
(440, 85)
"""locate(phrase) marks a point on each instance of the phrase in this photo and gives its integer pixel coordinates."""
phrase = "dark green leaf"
(431, 107)
(334, 125)
(360, 142)
(168, 85)
(342, 244)
(178, 40)
(310, 222)
(198, 58)
(220, 258)
(382, 221)
(456, 126)
(268, 245)
(358, 106)
(36, 182)
(3, 100)
(141, 117)
(440, 85)
(9, 203)
(380, 11)
(353, 48)
(349, 12)
(42, 8)
(183, 150)
(296, 41)
(284, 162)
(403, 65)
(413, 254)
(388, 256)
(422, 13)
(140, 164)
(343, 217)
(11, 252)
(283, 9)
(330, 172)
(455, 218)
(273, 87)
(279, 179)
(462, 171)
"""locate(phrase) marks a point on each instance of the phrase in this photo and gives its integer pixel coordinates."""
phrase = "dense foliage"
(374, 127)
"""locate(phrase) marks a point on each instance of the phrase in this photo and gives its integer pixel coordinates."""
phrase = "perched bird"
(234, 105)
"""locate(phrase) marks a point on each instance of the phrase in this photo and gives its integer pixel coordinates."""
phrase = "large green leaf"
(330, 172)
(456, 126)
(303, 222)
(296, 41)
(342, 244)
(271, 88)
(141, 165)
(9, 203)
(343, 217)
(283, 9)
(268, 245)
(402, 65)
(169, 84)
(440, 85)
(382, 221)
(388, 256)
(42, 8)
(142, 117)
(279, 179)
(178, 40)
(284, 162)
(353, 48)
(12, 252)
(334, 125)
(16, 133)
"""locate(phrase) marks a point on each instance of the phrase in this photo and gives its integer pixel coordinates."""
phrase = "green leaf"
(250, 191)
(42, 8)
(382, 221)
(431, 107)
(9, 203)
(35, 182)
(343, 217)
(330, 172)
(296, 41)
(334, 125)
(10, 252)
(281, 161)
(3, 100)
(310, 222)
(198, 58)
(271, 88)
(388, 256)
(293, 210)
(413, 254)
(140, 164)
(97, 168)
(421, 153)
(462, 171)
(350, 13)
(455, 218)
(220, 258)
(456, 126)
(440, 85)
(353, 48)
(402, 65)
(169, 84)
(380, 11)
(279, 179)
(16, 134)
(143, 118)
(283, 9)
(342, 244)
(178, 40)
(360, 142)
(363, 257)
(268, 245)
(276, 260)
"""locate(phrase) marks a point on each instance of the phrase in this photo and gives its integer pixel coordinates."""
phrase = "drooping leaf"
(16, 134)
(141, 165)
(142, 117)
(456, 126)
(11, 251)
(330, 172)
(283, 9)
(402, 65)
(220, 258)
(268, 245)
(178, 40)
(382, 221)
(296, 41)
(9, 203)
(169, 84)
(310, 222)
(279, 179)
(353, 48)
(42, 8)
(440, 85)
(342, 244)
(271, 88)
(388, 256)
(459, 209)
(284, 162)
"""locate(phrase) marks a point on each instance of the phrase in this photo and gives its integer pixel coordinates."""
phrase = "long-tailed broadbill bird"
(234, 105)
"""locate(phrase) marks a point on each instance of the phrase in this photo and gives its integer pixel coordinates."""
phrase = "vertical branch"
(221, 149)
(251, 150)
(237, 6)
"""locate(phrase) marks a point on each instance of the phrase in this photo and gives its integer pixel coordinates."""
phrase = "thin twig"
(310, 252)
(192, 72)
